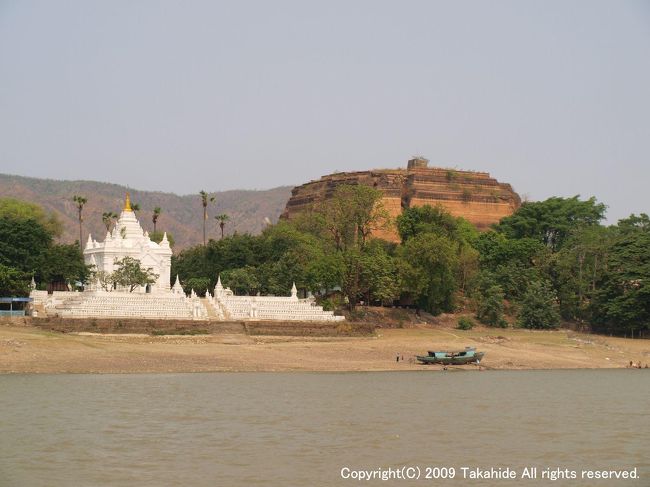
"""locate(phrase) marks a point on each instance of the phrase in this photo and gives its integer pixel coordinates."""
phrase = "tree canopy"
(130, 274)
(551, 221)
(18, 210)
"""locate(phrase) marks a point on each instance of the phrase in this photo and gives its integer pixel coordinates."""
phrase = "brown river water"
(305, 429)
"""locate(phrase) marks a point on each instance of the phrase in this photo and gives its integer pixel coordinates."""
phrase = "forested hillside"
(182, 216)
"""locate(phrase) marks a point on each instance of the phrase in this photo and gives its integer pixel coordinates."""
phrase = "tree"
(22, 210)
(130, 274)
(347, 220)
(205, 199)
(511, 263)
(379, 279)
(352, 214)
(429, 266)
(103, 278)
(13, 282)
(578, 267)
(242, 280)
(107, 219)
(621, 302)
(426, 219)
(552, 220)
(468, 258)
(222, 219)
(155, 216)
(135, 207)
(63, 263)
(539, 307)
(634, 223)
(80, 202)
(489, 309)
(23, 244)
(26, 245)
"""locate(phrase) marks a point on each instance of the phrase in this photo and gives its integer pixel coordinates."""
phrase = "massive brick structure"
(473, 195)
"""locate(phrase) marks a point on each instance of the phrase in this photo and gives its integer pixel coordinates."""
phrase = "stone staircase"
(214, 312)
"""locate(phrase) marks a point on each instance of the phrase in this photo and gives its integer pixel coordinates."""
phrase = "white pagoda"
(159, 301)
(128, 239)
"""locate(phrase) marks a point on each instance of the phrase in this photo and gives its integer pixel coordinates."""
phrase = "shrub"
(465, 323)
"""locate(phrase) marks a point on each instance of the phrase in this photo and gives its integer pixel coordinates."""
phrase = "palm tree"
(134, 208)
(205, 199)
(154, 217)
(80, 201)
(222, 219)
(107, 218)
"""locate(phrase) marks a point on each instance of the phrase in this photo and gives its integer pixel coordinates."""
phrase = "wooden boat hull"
(458, 360)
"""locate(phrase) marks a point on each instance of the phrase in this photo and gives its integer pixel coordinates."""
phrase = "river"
(305, 429)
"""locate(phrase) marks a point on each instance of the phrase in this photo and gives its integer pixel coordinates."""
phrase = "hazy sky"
(550, 96)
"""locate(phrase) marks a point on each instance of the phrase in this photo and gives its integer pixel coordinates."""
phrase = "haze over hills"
(181, 215)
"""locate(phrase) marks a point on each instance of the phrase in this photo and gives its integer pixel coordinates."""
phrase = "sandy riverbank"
(31, 350)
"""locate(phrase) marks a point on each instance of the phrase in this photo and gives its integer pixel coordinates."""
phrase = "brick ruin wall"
(475, 196)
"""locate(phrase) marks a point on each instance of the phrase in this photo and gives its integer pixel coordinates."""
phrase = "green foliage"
(378, 273)
(427, 219)
(23, 243)
(539, 307)
(489, 309)
(158, 236)
(332, 302)
(18, 210)
(622, 300)
(437, 221)
(26, 246)
(465, 323)
(428, 268)
(578, 268)
(107, 219)
(242, 280)
(130, 274)
(222, 219)
(105, 279)
(634, 223)
(13, 282)
(199, 284)
(510, 263)
(63, 263)
(549, 255)
(552, 220)
(496, 249)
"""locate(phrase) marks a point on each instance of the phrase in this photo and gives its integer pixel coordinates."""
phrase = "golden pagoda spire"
(127, 202)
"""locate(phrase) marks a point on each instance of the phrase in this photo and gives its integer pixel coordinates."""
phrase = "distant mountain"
(181, 215)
